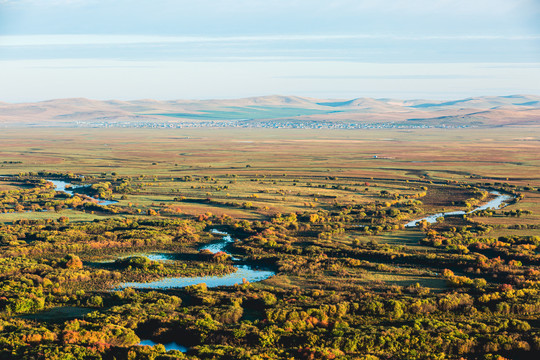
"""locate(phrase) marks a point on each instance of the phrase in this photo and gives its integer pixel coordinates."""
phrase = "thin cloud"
(42, 40)
(388, 77)
(45, 2)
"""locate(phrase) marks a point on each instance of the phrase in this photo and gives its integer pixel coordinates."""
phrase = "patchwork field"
(321, 212)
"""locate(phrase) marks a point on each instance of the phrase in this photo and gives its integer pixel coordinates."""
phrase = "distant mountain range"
(277, 111)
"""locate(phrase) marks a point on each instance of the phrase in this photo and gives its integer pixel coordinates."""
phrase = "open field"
(322, 210)
(508, 154)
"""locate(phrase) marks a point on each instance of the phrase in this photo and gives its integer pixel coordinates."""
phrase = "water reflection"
(168, 346)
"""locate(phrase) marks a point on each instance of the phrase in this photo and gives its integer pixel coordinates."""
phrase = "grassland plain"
(324, 210)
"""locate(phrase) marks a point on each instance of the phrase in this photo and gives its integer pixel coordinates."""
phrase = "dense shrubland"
(340, 292)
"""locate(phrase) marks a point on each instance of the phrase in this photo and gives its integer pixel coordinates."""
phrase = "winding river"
(242, 273)
(500, 201)
(68, 188)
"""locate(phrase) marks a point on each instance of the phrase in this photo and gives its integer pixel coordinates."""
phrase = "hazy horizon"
(275, 95)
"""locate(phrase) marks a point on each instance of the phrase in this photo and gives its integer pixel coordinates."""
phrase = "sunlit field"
(321, 214)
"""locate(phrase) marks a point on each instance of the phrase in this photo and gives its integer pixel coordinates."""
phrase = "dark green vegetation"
(351, 282)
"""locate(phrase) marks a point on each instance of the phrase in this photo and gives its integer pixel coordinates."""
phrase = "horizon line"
(273, 95)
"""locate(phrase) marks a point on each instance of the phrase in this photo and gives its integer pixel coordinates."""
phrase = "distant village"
(262, 124)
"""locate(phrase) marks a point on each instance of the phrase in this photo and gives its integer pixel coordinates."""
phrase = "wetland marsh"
(278, 244)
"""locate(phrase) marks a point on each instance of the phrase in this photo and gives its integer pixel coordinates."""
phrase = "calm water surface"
(499, 202)
(60, 185)
(242, 273)
(168, 346)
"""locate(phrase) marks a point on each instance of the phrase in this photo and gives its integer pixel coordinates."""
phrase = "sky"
(202, 49)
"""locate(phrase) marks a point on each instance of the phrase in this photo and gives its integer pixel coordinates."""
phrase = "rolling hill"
(522, 110)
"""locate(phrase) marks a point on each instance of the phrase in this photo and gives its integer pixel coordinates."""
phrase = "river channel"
(500, 201)
(60, 185)
(243, 272)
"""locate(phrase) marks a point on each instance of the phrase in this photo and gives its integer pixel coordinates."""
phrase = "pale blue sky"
(165, 49)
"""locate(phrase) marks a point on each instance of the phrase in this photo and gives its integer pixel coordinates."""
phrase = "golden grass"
(402, 154)
(283, 162)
